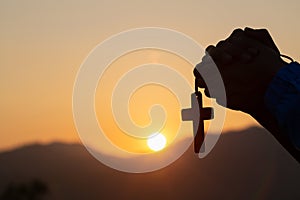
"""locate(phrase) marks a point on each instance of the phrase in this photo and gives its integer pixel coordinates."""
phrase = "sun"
(156, 142)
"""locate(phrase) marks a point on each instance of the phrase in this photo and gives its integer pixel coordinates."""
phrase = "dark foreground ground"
(243, 165)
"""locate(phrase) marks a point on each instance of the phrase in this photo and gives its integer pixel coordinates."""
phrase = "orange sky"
(44, 43)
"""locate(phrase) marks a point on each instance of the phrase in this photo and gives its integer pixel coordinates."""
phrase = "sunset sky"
(43, 44)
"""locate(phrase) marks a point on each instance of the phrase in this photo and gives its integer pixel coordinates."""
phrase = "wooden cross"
(197, 114)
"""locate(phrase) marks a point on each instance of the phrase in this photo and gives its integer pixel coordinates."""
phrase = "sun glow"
(157, 142)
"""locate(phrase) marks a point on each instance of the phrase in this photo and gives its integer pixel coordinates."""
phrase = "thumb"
(262, 36)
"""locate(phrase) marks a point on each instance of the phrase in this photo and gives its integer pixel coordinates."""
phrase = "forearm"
(280, 112)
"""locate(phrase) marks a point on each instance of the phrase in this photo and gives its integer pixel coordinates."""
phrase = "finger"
(199, 80)
(242, 42)
(221, 43)
(237, 33)
(253, 51)
(237, 52)
(263, 36)
(246, 57)
(231, 49)
(212, 51)
(218, 55)
(244, 39)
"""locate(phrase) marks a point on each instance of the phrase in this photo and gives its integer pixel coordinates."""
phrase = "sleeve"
(282, 98)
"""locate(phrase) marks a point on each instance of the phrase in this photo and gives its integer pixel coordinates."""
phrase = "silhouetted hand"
(247, 60)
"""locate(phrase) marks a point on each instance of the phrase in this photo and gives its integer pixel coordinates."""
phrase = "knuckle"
(221, 43)
(237, 32)
(210, 48)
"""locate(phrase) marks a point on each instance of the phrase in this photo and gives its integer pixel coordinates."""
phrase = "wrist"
(281, 89)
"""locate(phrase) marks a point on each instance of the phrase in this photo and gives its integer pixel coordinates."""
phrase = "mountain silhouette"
(247, 164)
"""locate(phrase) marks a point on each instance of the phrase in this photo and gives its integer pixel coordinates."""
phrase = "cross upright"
(197, 113)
